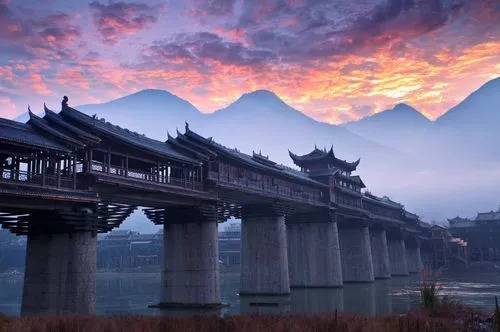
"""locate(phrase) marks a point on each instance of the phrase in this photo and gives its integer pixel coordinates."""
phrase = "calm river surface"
(131, 293)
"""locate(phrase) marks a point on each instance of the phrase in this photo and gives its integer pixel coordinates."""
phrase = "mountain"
(151, 112)
(261, 121)
(469, 132)
(447, 167)
(480, 108)
(257, 121)
(401, 127)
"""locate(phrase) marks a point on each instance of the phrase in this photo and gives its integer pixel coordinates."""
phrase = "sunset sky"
(335, 60)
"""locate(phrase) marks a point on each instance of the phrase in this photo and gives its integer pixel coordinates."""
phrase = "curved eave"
(53, 116)
(381, 203)
(39, 123)
(175, 143)
(34, 146)
(302, 161)
(183, 139)
(89, 122)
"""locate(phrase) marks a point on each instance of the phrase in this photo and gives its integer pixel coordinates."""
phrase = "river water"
(131, 293)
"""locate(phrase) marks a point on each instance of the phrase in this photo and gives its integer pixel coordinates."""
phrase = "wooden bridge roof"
(260, 162)
(26, 134)
(383, 201)
(69, 115)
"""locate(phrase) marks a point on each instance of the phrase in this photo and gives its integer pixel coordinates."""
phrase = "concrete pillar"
(356, 253)
(413, 258)
(313, 251)
(397, 256)
(60, 273)
(264, 258)
(190, 276)
(380, 253)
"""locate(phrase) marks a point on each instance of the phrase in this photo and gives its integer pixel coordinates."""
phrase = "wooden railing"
(49, 180)
(283, 191)
(146, 176)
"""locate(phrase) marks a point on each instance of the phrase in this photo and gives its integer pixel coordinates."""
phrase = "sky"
(335, 60)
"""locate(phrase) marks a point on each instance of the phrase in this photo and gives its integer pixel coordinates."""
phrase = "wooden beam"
(58, 170)
(126, 165)
(74, 172)
(109, 160)
(44, 167)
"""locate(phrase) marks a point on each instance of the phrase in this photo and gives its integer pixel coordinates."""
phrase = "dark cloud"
(212, 7)
(45, 37)
(197, 48)
(299, 31)
(118, 19)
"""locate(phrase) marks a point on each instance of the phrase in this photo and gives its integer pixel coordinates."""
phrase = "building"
(12, 251)
(230, 245)
(481, 233)
(125, 249)
(447, 248)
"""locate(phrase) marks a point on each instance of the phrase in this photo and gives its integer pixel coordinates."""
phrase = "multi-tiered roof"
(318, 160)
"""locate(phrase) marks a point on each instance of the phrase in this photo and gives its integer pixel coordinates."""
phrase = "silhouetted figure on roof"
(64, 102)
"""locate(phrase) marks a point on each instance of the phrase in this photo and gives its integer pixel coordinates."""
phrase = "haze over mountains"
(400, 127)
(470, 129)
(437, 169)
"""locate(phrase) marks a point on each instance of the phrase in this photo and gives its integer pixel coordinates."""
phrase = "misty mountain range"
(438, 168)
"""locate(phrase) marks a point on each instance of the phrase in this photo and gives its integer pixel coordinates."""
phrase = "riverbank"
(449, 318)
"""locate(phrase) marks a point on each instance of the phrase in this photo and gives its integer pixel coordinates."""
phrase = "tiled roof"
(22, 133)
(488, 216)
(268, 165)
(130, 137)
(382, 200)
(45, 126)
(320, 155)
(55, 118)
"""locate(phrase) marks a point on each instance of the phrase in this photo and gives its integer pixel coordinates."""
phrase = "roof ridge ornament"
(186, 126)
(64, 103)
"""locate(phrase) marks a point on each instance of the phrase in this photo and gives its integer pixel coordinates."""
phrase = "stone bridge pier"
(355, 251)
(264, 257)
(413, 254)
(313, 250)
(397, 252)
(190, 274)
(380, 253)
(60, 266)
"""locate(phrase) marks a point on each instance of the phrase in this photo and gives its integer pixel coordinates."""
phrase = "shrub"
(496, 317)
(429, 289)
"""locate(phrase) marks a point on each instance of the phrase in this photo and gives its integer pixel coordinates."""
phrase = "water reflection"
(317, 300)
(383, 299)
(264, 304)
(133, 292)
(359, 298)
(404, 293)
(11, 290)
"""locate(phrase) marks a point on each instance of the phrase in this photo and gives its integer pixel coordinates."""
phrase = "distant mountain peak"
(479, 108)
(260, 96)
(150, 93)
(403, 107)
(259, 102)
(400, 112)
(261, 93)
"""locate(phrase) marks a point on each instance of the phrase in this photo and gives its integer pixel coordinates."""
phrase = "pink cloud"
(7, 108)
(118, 19)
